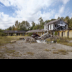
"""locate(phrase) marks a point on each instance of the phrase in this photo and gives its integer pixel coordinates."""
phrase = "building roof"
(33, 31)
(7, 31)
(53, 21)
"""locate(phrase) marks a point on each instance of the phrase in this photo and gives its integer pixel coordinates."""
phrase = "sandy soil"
(22, 50)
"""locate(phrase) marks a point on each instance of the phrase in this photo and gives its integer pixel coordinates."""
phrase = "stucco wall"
(65, 33)
(51, 27)
(45, 27)
(70, 34)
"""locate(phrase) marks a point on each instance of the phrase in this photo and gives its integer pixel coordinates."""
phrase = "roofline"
(54, 22)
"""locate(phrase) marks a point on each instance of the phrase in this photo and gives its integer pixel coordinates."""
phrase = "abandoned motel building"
(57, 26)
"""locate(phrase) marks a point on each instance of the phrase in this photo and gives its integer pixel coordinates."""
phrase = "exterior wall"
(51, 26)
(45, 27)
(70, 34)
(60, 33)
(65, 33)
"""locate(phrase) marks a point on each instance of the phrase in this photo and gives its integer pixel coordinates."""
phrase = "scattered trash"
(41, 41)
(30, 40)
(13, 41)
(21, 39)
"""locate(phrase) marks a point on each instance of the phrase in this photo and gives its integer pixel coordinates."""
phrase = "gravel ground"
(22, 50)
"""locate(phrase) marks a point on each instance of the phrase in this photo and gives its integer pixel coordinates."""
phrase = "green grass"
(53, 48)
(9, 51)
(61, 51)
(30, 53)
(63, 41)
(55, 52)
(7, 39)
(47, 50)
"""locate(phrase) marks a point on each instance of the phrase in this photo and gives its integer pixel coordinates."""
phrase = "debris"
(45, 36)
(13, 41)
(30, 40)
(40, 41)
(35, 36)
(21, 39)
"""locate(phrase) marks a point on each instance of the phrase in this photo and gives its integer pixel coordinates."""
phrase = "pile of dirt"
(30, 40)
(45, 36)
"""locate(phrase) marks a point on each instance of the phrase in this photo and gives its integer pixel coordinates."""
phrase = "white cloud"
(65, 1)
(61, 10)
(28, 10)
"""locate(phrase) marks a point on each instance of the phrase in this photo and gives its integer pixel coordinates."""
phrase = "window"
(61, 22)
(65, 26)
(55, 25)
(50, 26)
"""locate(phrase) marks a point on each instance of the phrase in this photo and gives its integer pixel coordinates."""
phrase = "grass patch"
(9, 51)
(63, 52)
(30, 53)
(1, 55)
(64, 41)
(7, 39)
(55, 52)
(16, 54)
(47, 50)
(69, 50)
(53, 48)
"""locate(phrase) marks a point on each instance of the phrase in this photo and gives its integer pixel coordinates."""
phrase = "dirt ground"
(22, 50)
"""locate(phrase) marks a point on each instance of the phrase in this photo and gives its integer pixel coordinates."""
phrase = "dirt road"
(22, 50)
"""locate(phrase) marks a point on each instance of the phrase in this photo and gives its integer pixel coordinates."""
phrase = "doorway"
(62, 34)
(68, 34)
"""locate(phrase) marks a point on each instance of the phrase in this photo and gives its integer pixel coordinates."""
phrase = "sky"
(32, 10)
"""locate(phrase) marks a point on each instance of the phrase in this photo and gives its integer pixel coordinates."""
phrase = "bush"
(55, 33)
(2, 33)
(29, 34)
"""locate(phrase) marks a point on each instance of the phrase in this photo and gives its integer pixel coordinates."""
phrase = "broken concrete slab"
(13, 41)
(30, 40)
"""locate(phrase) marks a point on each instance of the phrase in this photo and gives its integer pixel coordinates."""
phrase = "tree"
(40, 20)
(10, 28)
(59, 18)
(2, 33)
(16, 24)
(24, 25)
(62, 18)
(13, 28)
(33, 25)
(53, 19)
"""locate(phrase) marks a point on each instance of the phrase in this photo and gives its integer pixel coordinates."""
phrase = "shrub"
(29, 34)
(55, 33)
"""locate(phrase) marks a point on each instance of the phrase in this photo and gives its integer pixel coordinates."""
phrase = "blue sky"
(32, 10)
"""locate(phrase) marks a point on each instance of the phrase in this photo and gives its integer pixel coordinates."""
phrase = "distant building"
(16, 33)
(58, 26)
(39, 31)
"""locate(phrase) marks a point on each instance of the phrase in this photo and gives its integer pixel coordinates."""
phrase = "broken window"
(55, 25)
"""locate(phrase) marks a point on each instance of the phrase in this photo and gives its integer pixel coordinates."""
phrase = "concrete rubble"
(13, 41)
(30, 40)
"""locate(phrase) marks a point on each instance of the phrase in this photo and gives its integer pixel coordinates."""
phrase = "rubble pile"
(30, 40)
(45, 36)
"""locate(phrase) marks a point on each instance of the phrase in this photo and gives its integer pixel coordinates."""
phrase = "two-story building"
(58, 26)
